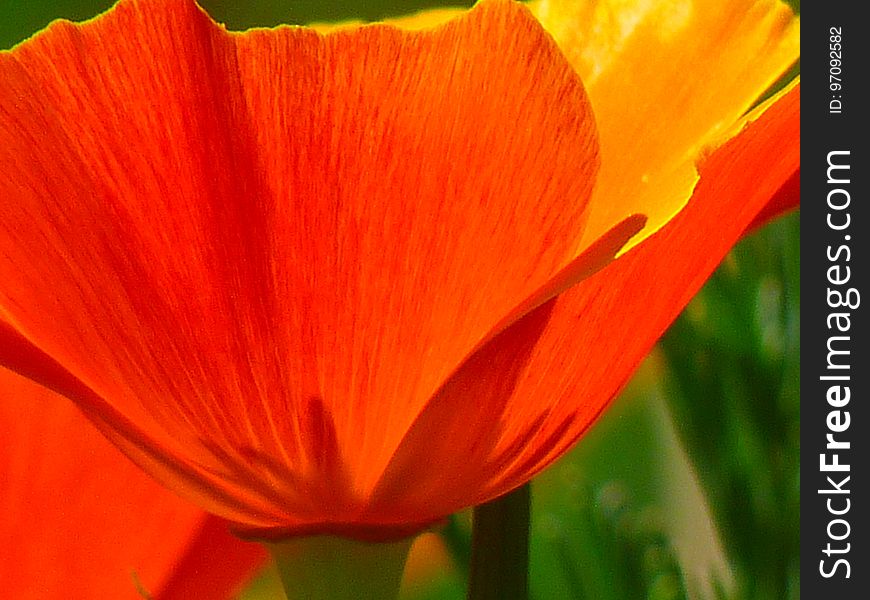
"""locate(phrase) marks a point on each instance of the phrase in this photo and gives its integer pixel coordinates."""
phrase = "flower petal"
(260, 254)
(531, 392)
(86, 522)
(666, 78)
(214, 565)
(787, 199)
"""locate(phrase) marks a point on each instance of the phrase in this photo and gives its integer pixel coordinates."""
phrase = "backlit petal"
(530, 393)
(253, 258)
(666, 78)
(79, 520)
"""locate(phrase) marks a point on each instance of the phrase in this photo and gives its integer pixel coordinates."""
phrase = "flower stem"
(500, 548)
(333, 568)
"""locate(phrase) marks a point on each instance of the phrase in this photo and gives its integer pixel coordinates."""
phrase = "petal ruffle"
(253, 258)
(79, 520)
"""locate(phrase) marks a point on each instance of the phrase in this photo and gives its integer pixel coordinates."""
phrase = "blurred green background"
(688, 487)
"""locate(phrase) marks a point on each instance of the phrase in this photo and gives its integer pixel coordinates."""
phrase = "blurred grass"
(733, 385)
(702, 505)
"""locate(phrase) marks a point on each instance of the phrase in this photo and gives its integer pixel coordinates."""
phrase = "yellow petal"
(666, 78)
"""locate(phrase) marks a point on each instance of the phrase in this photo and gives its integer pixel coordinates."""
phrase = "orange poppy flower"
(351, 283)
(87, 523)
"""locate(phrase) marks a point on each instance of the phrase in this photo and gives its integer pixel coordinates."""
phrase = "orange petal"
(666, 79)
(787, 199)
(253, 258)
(530, 393)
(215, 564)
(79, 520)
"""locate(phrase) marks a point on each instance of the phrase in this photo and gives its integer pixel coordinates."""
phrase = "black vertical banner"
(835, 369)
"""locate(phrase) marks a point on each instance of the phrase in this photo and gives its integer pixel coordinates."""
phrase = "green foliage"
(595, 513)
(733, 389)
(620, 552)
(20, 19)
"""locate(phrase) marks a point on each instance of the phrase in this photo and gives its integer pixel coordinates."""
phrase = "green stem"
(500, 548)
(333, 568)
